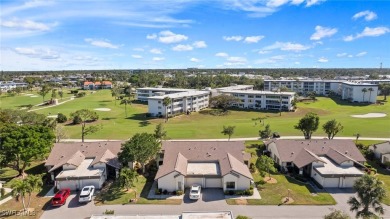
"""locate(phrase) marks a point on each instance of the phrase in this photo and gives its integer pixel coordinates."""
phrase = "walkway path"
(240, 139)
(7, 190)
(51, 105)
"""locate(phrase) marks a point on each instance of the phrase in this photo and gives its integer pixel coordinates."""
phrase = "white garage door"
(213, 183)
(90, 182)
(349, 182)
(331, 182)
(71, 184)
(192, 181)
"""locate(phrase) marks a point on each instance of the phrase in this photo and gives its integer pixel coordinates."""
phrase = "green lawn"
(115, 194)
(198, 125)
(7, 174)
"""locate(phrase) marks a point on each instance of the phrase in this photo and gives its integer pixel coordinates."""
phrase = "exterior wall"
(170, 183)
(321, 87)
(241, 182)
(353, 92)
(143, 94)
(275, 154)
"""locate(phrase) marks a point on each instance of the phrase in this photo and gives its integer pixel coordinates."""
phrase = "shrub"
(179, 192)
(77, 120)
(261, 182)
(157, 191)
(74, 91)
(242, 217)
(109, 212)
(61, 118)
(248, 192)
(231, 192)
(165, 192)
(252, 167)
(81, 94)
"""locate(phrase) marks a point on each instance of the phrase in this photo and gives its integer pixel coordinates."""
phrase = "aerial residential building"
(255, 99)
(10, 85)
(88, 85)
(142, 94)
(359, 92)
(321, 87)
(210, 164)
(218, 91)
(183, 102)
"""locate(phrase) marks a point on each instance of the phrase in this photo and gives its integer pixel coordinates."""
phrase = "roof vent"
(346, 152)
(323, 147)
(106, 143)
(215, 149)
(301, 142)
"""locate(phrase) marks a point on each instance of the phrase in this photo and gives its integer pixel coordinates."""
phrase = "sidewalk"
(256, 195)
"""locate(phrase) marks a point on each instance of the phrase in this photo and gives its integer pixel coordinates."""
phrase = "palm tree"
(34, 182)
(126, 101)
(127, 177)
(166, 102)
(364, 90)
(370, 193)
(19, 190)
(370, 90)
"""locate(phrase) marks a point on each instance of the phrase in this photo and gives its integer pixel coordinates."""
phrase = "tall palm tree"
(364, 90)
(126, 101)
(370, 193)
(166, 102)
(370, 90)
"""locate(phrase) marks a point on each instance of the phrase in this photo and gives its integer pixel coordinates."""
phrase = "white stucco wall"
(241, 182)
(170, 183)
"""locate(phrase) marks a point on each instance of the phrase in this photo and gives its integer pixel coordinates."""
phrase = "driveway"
(341, 196)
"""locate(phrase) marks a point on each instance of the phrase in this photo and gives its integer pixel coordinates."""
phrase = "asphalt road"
(210, 201)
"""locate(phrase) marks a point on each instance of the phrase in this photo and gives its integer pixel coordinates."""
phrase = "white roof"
(256, 92)
(163, 89)
(359, 83)
(235, 87)
(330, 168)
(82, 170)
(181, 94)
(203, 169)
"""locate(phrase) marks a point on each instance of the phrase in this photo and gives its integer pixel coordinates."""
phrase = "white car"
(86, 194)
(195, 192)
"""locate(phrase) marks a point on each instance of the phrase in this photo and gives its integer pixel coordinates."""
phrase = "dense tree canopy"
(20, 145)
(86, 116)
(142, 147)
(332, 127)
(308, 124)
(223, 101)
(228, 130)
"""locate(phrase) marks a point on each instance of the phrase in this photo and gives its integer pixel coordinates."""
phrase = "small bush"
(109, 212)
(231, 192)
(157, 191)
(77, 120)
(179, 192)
(61, 118)
(248, 192)
(74, 91)
(81, 94)
(261, 182)
(165, 192)
(242, 217)
(252, 167)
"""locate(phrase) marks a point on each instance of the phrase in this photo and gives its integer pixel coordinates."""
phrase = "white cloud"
(342, 54)
(221, 54)
(368, 32)
(262, 52)
(181, 47)
(232, 38)
(297, 2)
(37, 53)
(155, 51)
(297, 63)
(170, 37)
(322, 60)
(350, 56)
(199, 44)
(322, 32)
(368, 15)
(287, 46)
(139, 49)
(26, 25)
(271, 60)
(157, 59)
(151, 36)
(101, 43)
(194, 60)
(137, 56)
(235, 60)
(361, 54)
(310, 3)
(276, 3)
(253, 39)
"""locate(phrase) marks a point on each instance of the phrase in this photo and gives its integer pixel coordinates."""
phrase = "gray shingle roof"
(182, 152)
(382, 148)
(335, 149)
(105, 152)
(305, 157)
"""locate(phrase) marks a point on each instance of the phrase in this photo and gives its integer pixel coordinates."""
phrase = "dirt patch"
(286, 200)
(270, 180)
(241, 202)
(370, 115)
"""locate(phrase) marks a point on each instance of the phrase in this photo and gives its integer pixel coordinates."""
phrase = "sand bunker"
(103, 109)
(28, 94)
(33, 96)
(52, 116)
(370, 115)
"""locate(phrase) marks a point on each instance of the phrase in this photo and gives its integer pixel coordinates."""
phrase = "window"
(159, 101)
(230, 185)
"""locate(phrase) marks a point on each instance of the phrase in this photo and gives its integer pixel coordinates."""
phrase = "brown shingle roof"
(305, 157)
(238, 167)
(182, 152)
(382, 148)
(100, 151)
(336, 156)
(289, 149)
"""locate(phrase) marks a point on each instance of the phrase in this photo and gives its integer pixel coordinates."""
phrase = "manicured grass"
(115, 194)
(199, 125)
(8, 174)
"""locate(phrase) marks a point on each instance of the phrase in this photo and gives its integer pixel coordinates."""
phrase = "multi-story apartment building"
(255, 99)
(10, 85)
(321, 87)
(359, 92)
(183, 102)
(144, 93)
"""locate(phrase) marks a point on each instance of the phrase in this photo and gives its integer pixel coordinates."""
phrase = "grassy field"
(199, 125)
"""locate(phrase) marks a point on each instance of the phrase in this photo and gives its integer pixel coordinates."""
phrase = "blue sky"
(112, 34)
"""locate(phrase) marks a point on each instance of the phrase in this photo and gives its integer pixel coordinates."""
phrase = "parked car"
(60, 197)
(195, 192)
(86, 194)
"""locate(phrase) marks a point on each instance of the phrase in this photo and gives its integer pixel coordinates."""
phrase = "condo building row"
(354, 91)
(190, 100)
